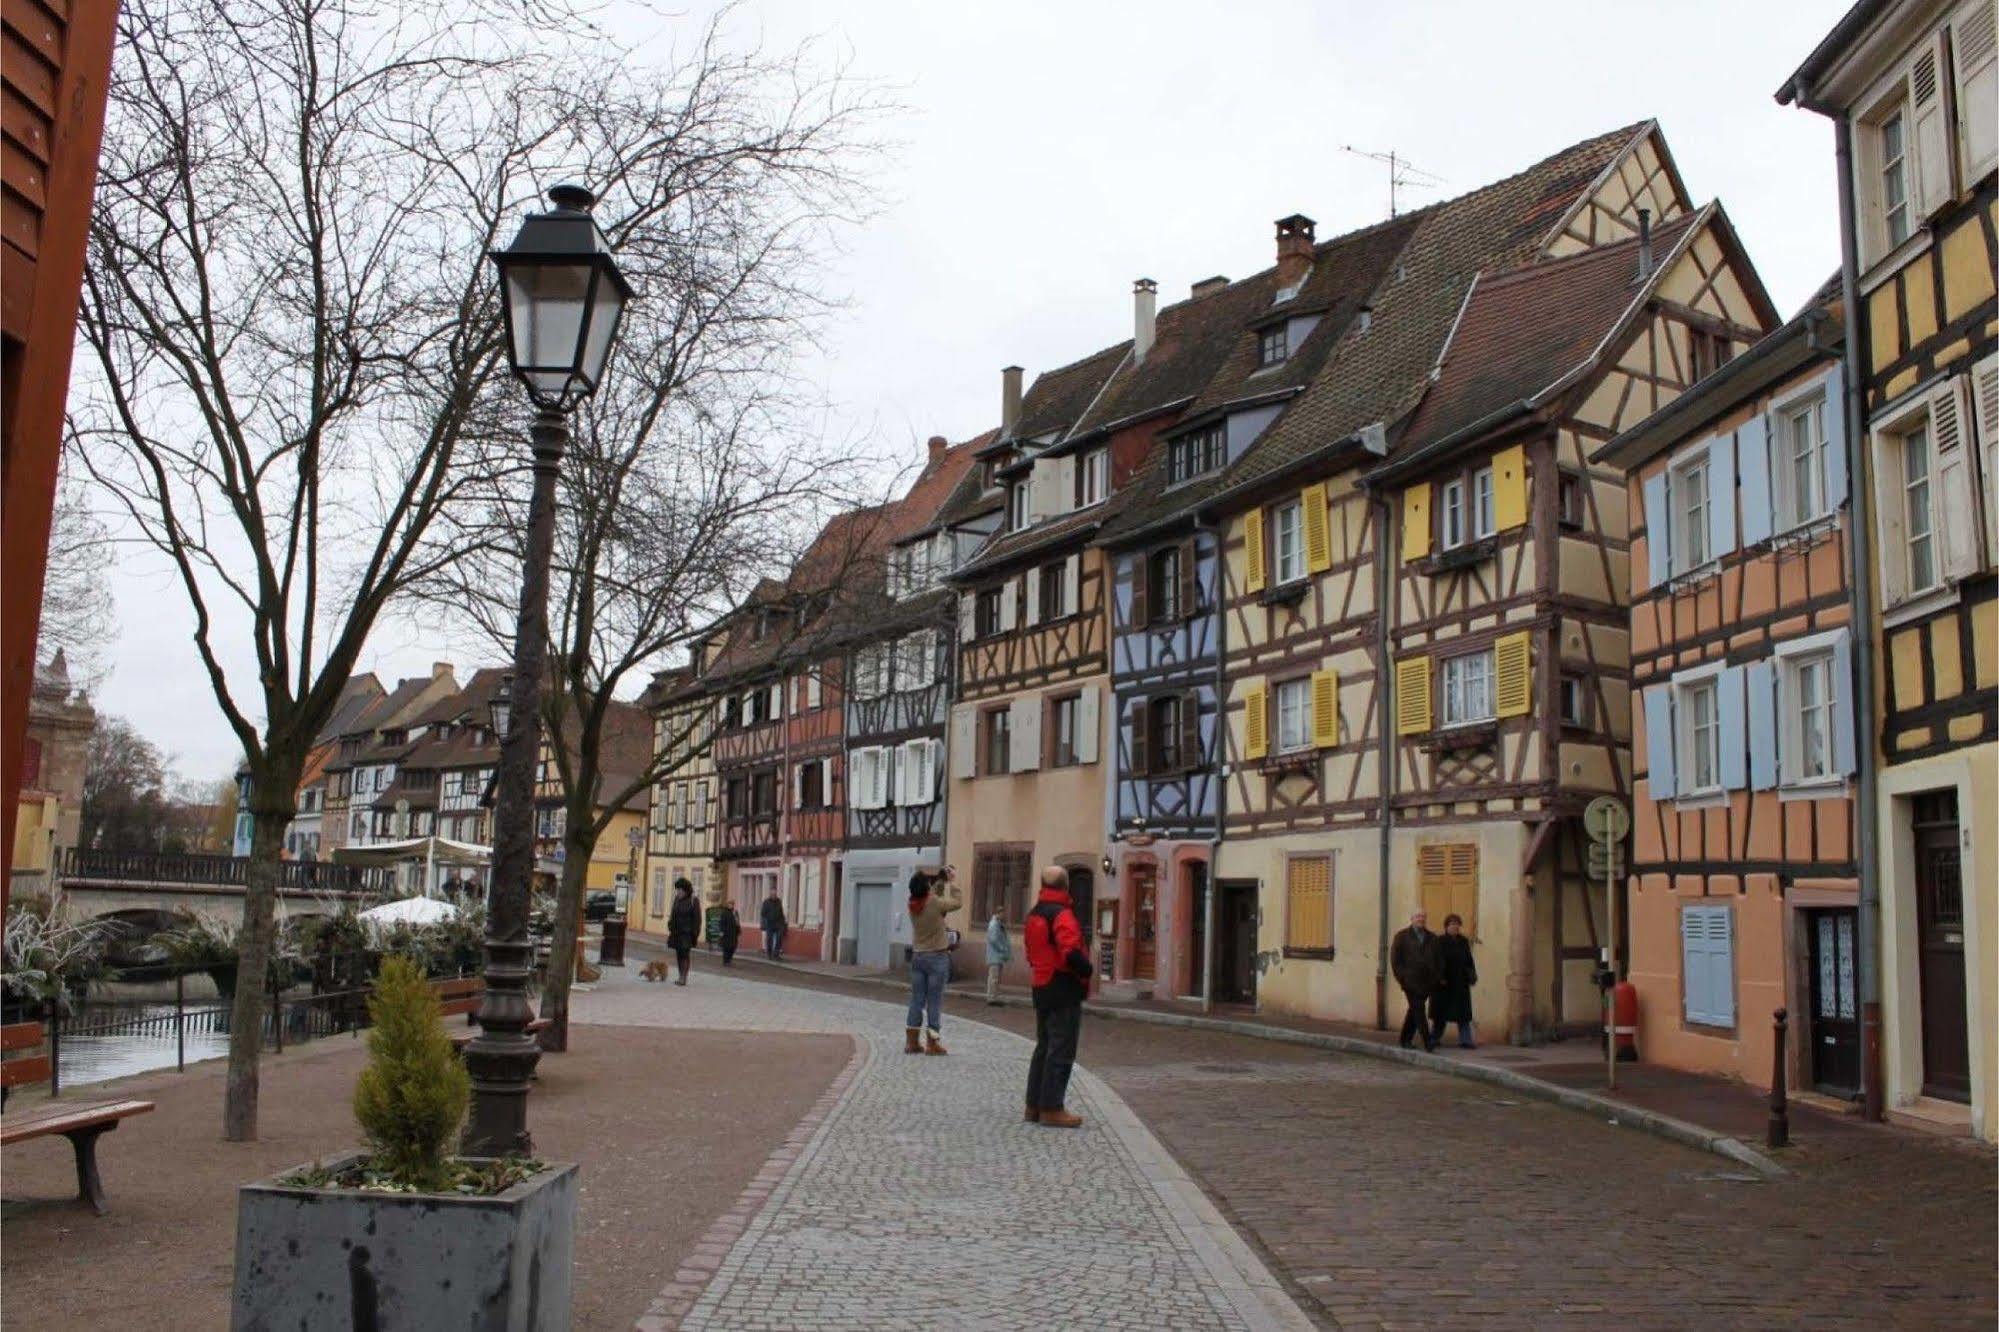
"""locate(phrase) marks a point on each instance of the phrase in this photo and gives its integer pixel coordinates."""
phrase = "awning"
(436, 850)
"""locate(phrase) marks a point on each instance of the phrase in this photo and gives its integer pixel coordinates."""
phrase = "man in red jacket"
(1061, 979)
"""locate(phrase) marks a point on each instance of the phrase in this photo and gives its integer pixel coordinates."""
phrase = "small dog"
(655, 970)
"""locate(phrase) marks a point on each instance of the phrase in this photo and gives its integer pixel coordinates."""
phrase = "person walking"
(1053, 938)
(1458, 972)
(999, 952)
(773, 922)
(932, 897)
(728, 929)
(683, 927)
(1417, 962)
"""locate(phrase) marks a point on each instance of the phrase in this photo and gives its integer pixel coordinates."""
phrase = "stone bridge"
(149, 888)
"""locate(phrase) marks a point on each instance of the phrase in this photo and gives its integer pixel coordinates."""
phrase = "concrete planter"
(345, 1259)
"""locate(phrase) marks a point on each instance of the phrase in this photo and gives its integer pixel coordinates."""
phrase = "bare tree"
(691, 477)
(77, 615)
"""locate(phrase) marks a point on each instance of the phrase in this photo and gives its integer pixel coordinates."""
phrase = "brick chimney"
(937, 446)
(440, 668)
(1206, 285)
(1294, 249)
(1144, 317)
(1009, 399)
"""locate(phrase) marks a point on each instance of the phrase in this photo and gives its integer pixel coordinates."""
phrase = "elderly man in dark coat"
(1416, 958)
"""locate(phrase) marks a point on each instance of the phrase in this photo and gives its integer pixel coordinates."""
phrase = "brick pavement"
(1387, 1196)
(922, 1201)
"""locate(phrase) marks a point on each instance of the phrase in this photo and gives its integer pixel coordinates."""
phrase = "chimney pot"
(1294, 249)
(1206, 285)
(1644, 243)
(937, 446)
(439, 669)
(1009, 399)
(1144, 316)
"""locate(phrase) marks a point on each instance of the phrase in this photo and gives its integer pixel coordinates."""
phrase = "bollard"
(1779, 1134)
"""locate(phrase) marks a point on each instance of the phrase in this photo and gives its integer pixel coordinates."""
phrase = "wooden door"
(1145, 922)
(1235, 941)
(1835, 1026)
(1940, 941)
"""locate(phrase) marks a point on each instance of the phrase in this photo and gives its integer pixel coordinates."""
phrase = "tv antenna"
(1400, 173)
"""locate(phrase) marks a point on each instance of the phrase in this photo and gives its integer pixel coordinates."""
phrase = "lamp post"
(561, 293)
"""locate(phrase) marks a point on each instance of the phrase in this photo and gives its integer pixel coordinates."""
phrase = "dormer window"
(1016, 506)
(989, 475)
(1273, 345)
(1093, 477)
(1197, 454)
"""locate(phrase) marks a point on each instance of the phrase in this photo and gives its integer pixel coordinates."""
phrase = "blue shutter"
(1835, 434)
(1721, 496)
(1752, 464)
(1734, 729)
(1844, 720)
(1694, 984)
(1659, 740)
(1707, 958)
(1655, 530)
(1762, 737)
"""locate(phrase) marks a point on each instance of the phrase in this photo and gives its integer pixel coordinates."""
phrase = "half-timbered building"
(1912, 87)
(1743, 894)
(680, 824)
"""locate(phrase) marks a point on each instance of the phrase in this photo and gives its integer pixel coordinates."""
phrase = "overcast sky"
(1051, 151)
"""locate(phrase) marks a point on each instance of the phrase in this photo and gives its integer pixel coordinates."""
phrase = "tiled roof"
(1043, 536)
(1191, 340)
(921, 508)
(1058, 398)
(355, 697)
(1569, 304)
(624, 751)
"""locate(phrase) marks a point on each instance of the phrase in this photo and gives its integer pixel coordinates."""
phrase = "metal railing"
(87, 864)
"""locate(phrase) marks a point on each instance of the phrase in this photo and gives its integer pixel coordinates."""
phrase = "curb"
(1619, 1113)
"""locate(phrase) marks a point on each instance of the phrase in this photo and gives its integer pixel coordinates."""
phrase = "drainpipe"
(1221, 774)
(1860, 568)
(1384, 619)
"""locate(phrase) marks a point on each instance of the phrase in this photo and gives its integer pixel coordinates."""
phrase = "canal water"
(105, 1041)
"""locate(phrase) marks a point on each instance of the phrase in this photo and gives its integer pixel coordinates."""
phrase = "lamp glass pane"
(547, 302)
(603, 327)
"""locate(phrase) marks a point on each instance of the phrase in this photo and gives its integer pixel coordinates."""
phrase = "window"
(1481, 504)
(1294, 715)
(989, 475)
(1162, 725)
(987, 612)
(1054, 585)
(1690, 515)
(1287, 541)
(1707, 352)
(1308, 905)
(1707, 964)
(1197, 454)
(1002, 883)
(763, 792)
(1917, 516)
(658, 907)
(1891, 144)
(1810, 755)
(914, 658)
(1162, 576)
(1451, 515)
(1575, 701)
(1062, 730)
(1467, 688)
(1804, 460)
(1016, 506)
(998, 727)
(812, 785)
(1700, 737)
(732, 712)
(1093, 477)
(1273, 345)
(736, 798)
(813, 693)
(1569, 500)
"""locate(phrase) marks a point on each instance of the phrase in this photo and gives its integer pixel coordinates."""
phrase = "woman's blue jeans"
(928, 973)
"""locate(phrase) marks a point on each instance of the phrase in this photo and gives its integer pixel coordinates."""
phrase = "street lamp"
(562, 295)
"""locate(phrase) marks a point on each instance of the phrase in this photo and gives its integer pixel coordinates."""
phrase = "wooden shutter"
(1929, 137)
(1891, 544)
(1509, 488)
(1512, 675)
(1308, 902)
(1024, 734)
(1416, 522)
(1974, 54)
(964, 740)
(1190, 584)
(1255, 557)
(1952, 492)
(1985, 412)
(1658, 531)
(1139, 739)
(1190, 732)
(1009, 602)
(1072, 585)
(1325, 709)
(897, 792)
(1733, 732)
(968, 627)
(1659, 741)
(1765, 744)
(1033, 585)
(1088, 719)
(1447, 883)
(1707, 965)
(1141, 590)
(1318, 539)
(1845, 721)
(1412, 695)
(1753, 471)
(1720, 496)
(1837, 484)
(1255, 719)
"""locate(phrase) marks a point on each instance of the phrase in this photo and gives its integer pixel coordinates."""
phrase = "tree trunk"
(272, 811)
(568, 929)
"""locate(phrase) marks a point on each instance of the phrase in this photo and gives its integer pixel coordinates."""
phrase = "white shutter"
(798, 786)
(776, 701)
(967, 625)
(859, 791)
(826, 781)
(1928, 131)
(926, 645)
(1065, 484)
(1024, 734)
(931, 752)
(1952, 491)
(1009, 602)
(964, 740)
(1985, 413)
(1088, 720)
(1891, 546)
(1974, 54)
(1033, 597)
(1072, 578)
(898, 793)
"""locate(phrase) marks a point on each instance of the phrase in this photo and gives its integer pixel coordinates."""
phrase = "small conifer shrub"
(412, 1096)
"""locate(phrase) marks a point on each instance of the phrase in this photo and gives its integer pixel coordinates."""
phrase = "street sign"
(1607, 819)
(1604, 860)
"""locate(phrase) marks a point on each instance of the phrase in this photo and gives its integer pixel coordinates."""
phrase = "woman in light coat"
(999, 952)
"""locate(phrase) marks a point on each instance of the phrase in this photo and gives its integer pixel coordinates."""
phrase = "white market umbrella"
(411, 911)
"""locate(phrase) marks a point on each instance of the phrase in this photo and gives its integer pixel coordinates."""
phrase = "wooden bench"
(460, 994)
(83, 1125)
(461, 1039)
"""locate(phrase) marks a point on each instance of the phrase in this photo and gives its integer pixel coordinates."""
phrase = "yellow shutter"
(1509, 488)
(1447, 881)
(1412, 695)
(1254, 573)
(1416, 521)
(1308, 902)
(1512, 676)
(1318, 539)
(1255, 719)
(1325, 708)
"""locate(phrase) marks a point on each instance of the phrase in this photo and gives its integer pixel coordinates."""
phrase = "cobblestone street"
(1381, 1195)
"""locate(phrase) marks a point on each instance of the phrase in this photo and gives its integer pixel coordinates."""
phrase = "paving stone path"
(915, 1197)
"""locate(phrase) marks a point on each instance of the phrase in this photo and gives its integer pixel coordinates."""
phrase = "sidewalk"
(1717, 1114)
